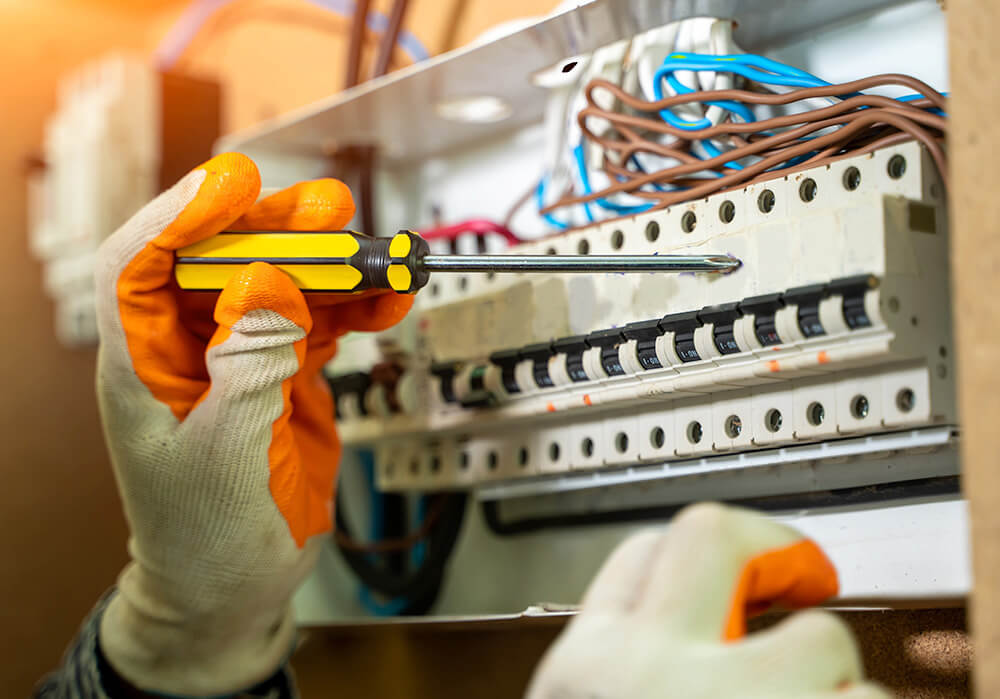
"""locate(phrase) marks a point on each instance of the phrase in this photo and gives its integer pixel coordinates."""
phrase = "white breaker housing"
(837, 324)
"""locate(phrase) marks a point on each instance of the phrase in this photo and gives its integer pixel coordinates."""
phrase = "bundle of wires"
(780, 120)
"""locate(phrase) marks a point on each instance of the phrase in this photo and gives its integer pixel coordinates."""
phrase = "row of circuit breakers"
(837, 324)
(679, 338)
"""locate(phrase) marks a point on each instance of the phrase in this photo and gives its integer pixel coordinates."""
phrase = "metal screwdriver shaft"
(348, 262)
(579, 263)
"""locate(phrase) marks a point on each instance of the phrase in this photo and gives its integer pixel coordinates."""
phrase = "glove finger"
(811, 651)
(252, 360)
(616, 587)
(720, 563)
(142, 334)
(317, 205)
(373, 313)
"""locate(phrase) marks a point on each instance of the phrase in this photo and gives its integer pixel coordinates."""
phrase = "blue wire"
(581, 166)
(604, 203)
(396, 605)
(540, 199)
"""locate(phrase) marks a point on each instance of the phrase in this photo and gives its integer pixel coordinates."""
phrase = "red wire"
(479, 226)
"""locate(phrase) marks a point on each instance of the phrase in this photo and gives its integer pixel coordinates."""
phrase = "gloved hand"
(664, 616)
(221, 433)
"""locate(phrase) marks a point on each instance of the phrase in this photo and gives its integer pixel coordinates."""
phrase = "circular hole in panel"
(491, 276)
(463, 460)
(583, 247)
(852, 178)
(942, 351)
(657, 437)
(808, 190)
(734, 426)
(688, 221)
(893, 304)
(942, 371)
(860, 407)
(492, 460)
(652, 231)
(522, 457)
(435, 464)
(765, 202)
(815, 414)
(587, 446)
(550, 251)
(435, 289)
(414, 467)
(896, 167)
(914, 321)
(554, 451)
(727, 211)
(463, 283)
(621, 442)
(773, 420)
(695, 432)
(905, 400)
(617, 240)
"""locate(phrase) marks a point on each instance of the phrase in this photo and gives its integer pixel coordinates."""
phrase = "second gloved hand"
(221, 432)
(665, 617)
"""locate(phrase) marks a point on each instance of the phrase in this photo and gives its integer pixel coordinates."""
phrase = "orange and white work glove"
(666, 615)
(221, 432)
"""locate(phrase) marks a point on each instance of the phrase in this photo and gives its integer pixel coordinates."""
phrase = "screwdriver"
(346, 262)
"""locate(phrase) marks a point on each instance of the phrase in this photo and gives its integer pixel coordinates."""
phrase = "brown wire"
(389, 38)
(355, 43)
(853, 126)
(400, 544)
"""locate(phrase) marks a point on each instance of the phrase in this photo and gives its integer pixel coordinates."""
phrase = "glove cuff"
(158, 648)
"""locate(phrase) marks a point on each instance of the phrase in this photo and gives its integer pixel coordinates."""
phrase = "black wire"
(924, 487)
(427, 578)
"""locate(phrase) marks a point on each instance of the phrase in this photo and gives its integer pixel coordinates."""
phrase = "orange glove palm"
(222, 434)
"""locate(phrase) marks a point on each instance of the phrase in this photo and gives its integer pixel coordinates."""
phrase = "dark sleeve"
(85, 673)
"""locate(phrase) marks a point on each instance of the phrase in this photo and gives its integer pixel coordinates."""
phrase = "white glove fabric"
(651, 624)
(224, 485)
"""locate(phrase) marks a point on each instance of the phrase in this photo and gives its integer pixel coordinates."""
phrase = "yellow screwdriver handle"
(326, 261)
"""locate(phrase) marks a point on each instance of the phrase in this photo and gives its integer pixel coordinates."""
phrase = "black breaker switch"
(445, 372)
(683, 325)
(608, 340)
(645, 333)
(853, 290)
(763, 309)
(346, 384)
(807, 299)
(573, 348)
(539, 355)
(722, 318)
(507, 361)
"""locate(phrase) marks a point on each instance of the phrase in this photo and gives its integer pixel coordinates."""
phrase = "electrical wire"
(355, 43)
(416, 584)
(389, 38)
(197, 14)
(766, 148)
(478, 226)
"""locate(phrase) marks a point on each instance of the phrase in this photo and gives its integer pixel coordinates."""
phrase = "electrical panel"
(815, 382)
(99, 166)
(837, 324)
